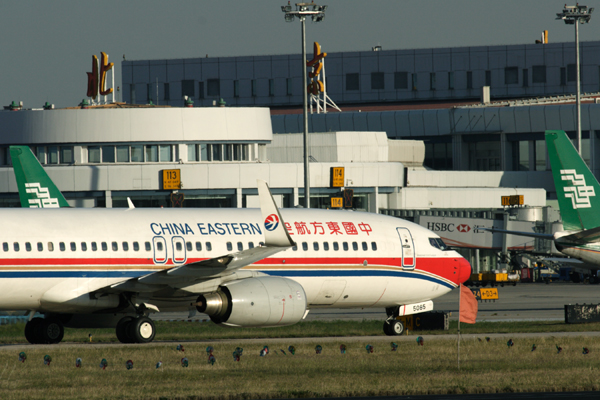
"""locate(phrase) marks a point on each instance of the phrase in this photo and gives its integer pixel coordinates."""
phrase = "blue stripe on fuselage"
(356, 273)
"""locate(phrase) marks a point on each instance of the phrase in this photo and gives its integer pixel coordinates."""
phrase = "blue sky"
(46, 46)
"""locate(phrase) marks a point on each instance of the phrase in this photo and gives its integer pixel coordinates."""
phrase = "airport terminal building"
(415, 138)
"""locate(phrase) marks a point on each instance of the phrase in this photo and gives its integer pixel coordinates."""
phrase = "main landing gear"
(44, 331)
(135, 330)
(392, 326)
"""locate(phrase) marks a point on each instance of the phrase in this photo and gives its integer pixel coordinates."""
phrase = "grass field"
(412, 369)
(187, 331)
(486, 367)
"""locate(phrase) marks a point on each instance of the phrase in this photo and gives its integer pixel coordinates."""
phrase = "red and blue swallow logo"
(272, 222)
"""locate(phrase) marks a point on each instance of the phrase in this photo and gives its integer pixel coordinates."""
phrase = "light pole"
(317, 13)
(575, 15)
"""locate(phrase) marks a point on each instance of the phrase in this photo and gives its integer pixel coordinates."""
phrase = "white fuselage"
(51, 259)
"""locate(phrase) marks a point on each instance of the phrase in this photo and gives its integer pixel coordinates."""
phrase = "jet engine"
(255, 302)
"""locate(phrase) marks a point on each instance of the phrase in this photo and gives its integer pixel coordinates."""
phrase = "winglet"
(36, 189)
(276, 235)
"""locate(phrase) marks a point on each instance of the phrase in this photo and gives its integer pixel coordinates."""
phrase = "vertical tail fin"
(576, 187)
(36, 189)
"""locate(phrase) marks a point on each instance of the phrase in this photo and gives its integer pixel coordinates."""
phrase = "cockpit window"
(438, 243)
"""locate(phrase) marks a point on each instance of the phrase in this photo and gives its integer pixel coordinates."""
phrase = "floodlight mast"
(575, 15)
(317, 13)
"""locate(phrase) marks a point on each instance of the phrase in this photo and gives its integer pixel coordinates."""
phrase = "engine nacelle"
(255, 302)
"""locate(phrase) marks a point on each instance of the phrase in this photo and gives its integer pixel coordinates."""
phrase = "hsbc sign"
(464, 232)
(450, 227)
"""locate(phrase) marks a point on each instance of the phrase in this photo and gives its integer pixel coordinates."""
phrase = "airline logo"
(43, 199)
(579, 192)
(463, 228)
(272, 222)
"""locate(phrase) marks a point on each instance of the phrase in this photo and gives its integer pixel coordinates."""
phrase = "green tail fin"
(36, 189)
(576, 187)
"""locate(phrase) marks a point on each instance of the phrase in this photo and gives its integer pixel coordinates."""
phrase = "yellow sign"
(489, 294)
(515, 200)
(96, 83)
(171, 179)
(337, 202)
(337, 176)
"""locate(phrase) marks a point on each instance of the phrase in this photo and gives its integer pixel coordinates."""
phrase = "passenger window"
(250, 245)
(326, 246)
(159, 246)
(104, 246)
(240, 246)
(304, 246)
(365, 246)
(354, 246)
(73, 246)
(115, 246)
(148, 246)
(136, 246)
(373, 246)
(316, 246)
(229, 246)
(5, 246)
(40, 246)
(295, 248)
(189, 246)
(198, 246)
(125, 246)
(336, 246)
(50, 246)
(345, 246)
(178, 246)
(83, 246)
(61, 246)
(16, 246)
(94, 246)
(208, 246)
(27, 246)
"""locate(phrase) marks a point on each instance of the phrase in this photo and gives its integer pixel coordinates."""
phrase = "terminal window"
(400, 80)
(511, 76)
(187, 88)
(377, 81)
(539, 74)
(200, 90)
(352, 81)
(167, 91)
(525, 77)
(213, 87)
(469, 79)
(572, 73)
(432, 81)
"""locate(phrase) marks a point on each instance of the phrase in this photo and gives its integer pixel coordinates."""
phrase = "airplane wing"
(277, 239)
(547, 236)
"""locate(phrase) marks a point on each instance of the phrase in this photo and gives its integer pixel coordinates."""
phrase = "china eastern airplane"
(243, 267)
(577, 191)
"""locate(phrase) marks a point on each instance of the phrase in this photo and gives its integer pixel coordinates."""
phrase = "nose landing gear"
(392, 326)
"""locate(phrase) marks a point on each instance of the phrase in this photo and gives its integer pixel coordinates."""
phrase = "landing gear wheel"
(393, 328)
(31, 330)
(52, 331)
(142, 330)
(122, 330)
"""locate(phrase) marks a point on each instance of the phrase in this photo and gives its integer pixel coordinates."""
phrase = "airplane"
(576, 189)
(83, 267)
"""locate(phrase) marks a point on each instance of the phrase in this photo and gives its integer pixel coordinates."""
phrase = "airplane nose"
(464, 270)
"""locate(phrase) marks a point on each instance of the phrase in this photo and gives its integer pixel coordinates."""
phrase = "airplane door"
(179, 255)
(408, 248)
(160, 249)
